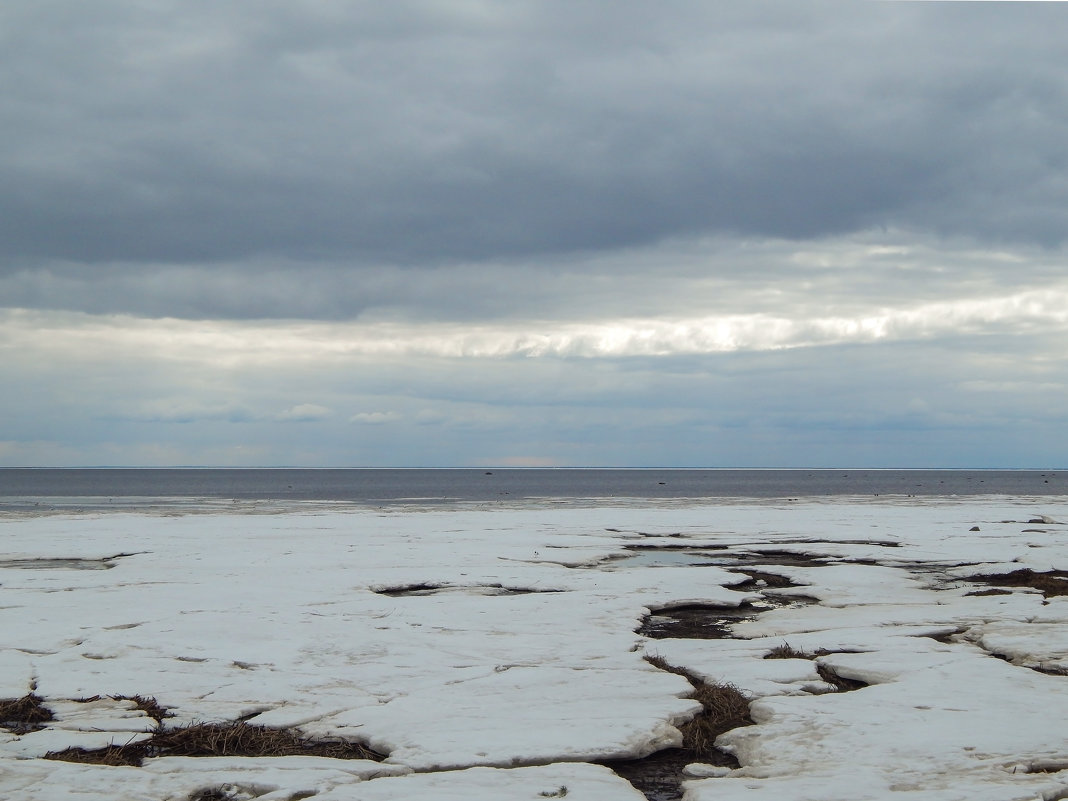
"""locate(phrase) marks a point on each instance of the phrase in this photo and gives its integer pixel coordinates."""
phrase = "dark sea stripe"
(474, 485)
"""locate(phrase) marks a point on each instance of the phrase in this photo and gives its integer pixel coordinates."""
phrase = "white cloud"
(374, 418)
(304, 413)
(745, 353)
(231, 345)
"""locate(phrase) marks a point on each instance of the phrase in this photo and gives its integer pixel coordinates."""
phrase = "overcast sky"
(536, 232)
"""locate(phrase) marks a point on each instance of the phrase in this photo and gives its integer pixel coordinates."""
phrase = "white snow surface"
(514, 663)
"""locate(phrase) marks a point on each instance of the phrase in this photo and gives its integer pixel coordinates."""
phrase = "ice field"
(500, 651)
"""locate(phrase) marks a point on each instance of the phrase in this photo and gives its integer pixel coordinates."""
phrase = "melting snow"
(477, 692)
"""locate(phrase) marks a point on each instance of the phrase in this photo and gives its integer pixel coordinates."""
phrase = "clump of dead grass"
(841, 683)
(211, 794)
(760, 578)
(150, 706)
(1051, 583)
(25, 714)
(787, 651)
(723, 707)
(129, 755)
(660, 663)
(218, 739)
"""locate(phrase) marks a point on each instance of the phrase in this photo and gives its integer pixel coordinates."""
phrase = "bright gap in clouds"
(63, 334)
(842, 352)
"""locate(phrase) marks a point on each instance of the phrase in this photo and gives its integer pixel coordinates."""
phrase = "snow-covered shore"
(493, 653)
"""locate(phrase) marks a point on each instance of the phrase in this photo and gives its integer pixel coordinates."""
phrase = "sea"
(58, 489)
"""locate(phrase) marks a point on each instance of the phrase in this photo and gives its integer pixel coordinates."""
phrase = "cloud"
(613, 233)
(184, 411)
(685, 278)
(192, 133)
(304, 413)
(374, 418)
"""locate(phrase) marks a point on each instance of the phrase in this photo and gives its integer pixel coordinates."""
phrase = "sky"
(534, 233)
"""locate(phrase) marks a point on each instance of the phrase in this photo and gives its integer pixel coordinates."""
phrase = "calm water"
(20, 487)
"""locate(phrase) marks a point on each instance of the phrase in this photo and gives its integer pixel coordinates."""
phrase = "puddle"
(659, 776)
(639, 556)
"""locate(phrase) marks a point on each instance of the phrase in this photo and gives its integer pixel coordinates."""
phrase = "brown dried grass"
(150, 706)
(1051, 583)
(762, 578)
(787, 651)
(660, 663)
(723, 707)
(841, 684)
(129, 755)
(25, 714)
(218, 739)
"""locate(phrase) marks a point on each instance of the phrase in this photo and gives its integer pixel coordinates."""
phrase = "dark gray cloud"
(537, 232)
(677, 278)
(418, 132)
